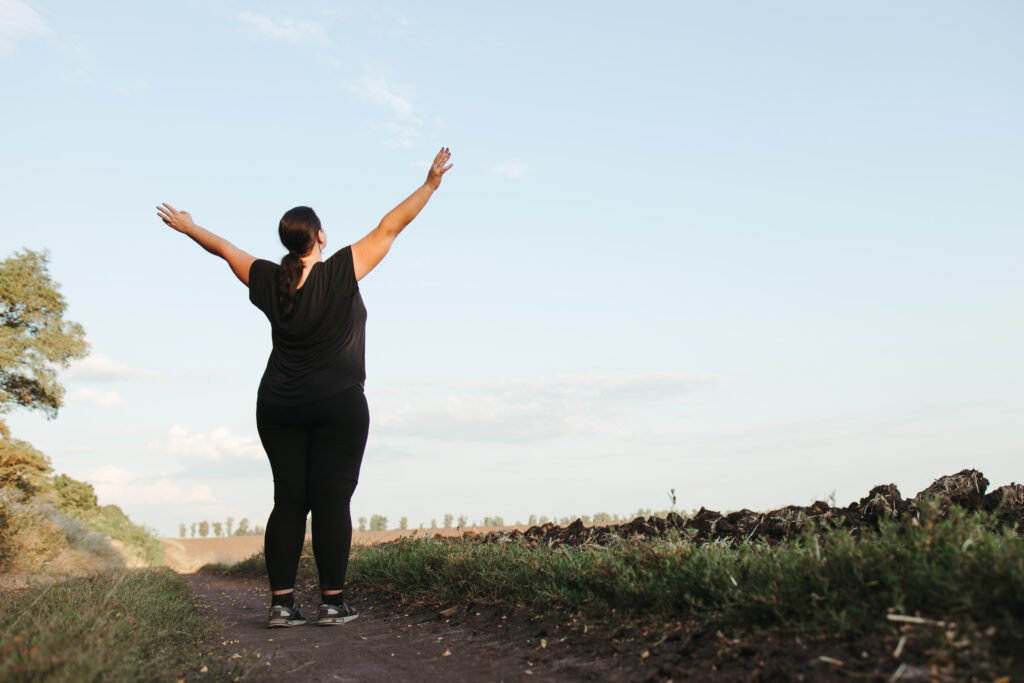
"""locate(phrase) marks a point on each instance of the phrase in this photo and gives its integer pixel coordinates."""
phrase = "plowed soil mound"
(967, 489)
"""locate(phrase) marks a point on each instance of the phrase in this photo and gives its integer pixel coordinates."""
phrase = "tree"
(218, 529)
(243, 527)
(448, 521)
(433, 524)
(362, 523)
(403, 523)
(181, 530)
(204, 529)
(532, 520)
(193, 529)
(35, 340)
(462, 521)
(378, 523)
(230, 523)
(21, 465)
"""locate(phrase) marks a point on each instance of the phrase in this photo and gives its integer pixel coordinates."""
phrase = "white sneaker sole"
(335, 621)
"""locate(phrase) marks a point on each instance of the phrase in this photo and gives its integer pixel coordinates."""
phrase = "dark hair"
(298, 230)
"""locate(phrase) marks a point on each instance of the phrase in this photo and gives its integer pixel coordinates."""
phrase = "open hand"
(179, 220)
(438, 168)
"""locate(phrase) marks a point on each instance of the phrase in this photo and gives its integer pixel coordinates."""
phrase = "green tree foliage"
(403, 523)
(229, 524)
(462, 521)
(218, 529)
(21, 466)
(433, 524)
(181, 530)
(204, 529)
(75, 494)
(378, 523)
(243, 527)
(362, 523)
(193, 529)
(35, 340)
(448, 521)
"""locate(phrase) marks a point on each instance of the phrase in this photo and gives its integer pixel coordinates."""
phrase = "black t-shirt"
(319, 349)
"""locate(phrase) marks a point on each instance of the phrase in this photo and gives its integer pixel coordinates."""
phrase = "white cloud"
(510, 170)
(103, 399)
(405, 126)
(99, 368)
(288, 30)
(118, 486)
(19, 20)
(524, 409)
(379, 91)
(216, 445)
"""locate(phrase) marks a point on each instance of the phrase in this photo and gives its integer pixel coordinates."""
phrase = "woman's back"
(319, 346)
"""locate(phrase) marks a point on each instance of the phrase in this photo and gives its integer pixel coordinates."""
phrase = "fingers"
(445, 169)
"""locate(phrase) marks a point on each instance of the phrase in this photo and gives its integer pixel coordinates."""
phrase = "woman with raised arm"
(311, 413)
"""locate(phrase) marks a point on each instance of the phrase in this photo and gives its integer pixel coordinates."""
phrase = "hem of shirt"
(273, 400)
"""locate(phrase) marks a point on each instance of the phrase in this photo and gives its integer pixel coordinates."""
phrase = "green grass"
(124, 625)
(958, 567)
(961, 567)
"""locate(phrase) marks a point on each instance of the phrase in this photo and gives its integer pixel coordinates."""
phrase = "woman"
(310, 410)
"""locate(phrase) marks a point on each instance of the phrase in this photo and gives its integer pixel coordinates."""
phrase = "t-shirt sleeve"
(261, 283)
(341, 271)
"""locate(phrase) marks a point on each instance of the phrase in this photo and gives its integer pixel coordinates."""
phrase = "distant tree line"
(380, 522)
(220, 529)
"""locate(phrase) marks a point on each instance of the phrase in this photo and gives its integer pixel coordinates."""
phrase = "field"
(189, 554)
(885, 589)
(928, 588)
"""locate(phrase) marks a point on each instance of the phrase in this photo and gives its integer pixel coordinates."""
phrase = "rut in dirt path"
(388, 642)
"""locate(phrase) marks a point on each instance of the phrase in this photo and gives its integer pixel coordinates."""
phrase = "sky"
(756, 253)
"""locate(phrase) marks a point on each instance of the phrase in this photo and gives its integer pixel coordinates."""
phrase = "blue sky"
(758, 253)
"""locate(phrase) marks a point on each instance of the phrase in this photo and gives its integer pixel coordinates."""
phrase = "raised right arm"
(368, 252)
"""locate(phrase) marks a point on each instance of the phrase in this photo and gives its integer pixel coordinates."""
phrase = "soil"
(966, 489)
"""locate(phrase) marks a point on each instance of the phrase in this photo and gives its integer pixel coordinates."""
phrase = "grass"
(123, 625)
(959, 567)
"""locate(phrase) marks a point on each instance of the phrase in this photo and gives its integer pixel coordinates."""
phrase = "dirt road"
(389, 642)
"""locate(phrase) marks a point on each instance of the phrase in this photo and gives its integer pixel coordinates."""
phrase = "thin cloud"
(405, 125)
(379, 91)
(114, 485)
(216, 445)
(95, 397)
(19, 20)
(286, 29)
(99, 368)
(524, 410)
(510, 170)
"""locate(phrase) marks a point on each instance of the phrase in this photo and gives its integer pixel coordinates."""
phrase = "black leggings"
(315, 451)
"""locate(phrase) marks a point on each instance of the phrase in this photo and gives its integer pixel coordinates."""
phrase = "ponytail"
(298, 230)
(288, 280)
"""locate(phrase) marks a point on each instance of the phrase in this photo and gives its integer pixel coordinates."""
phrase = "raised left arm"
(238, 260)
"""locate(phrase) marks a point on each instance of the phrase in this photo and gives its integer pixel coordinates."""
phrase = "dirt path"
(389, 642)
(395, 642)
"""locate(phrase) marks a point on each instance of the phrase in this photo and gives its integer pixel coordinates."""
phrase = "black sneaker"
(331, 615)
(281, 616)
